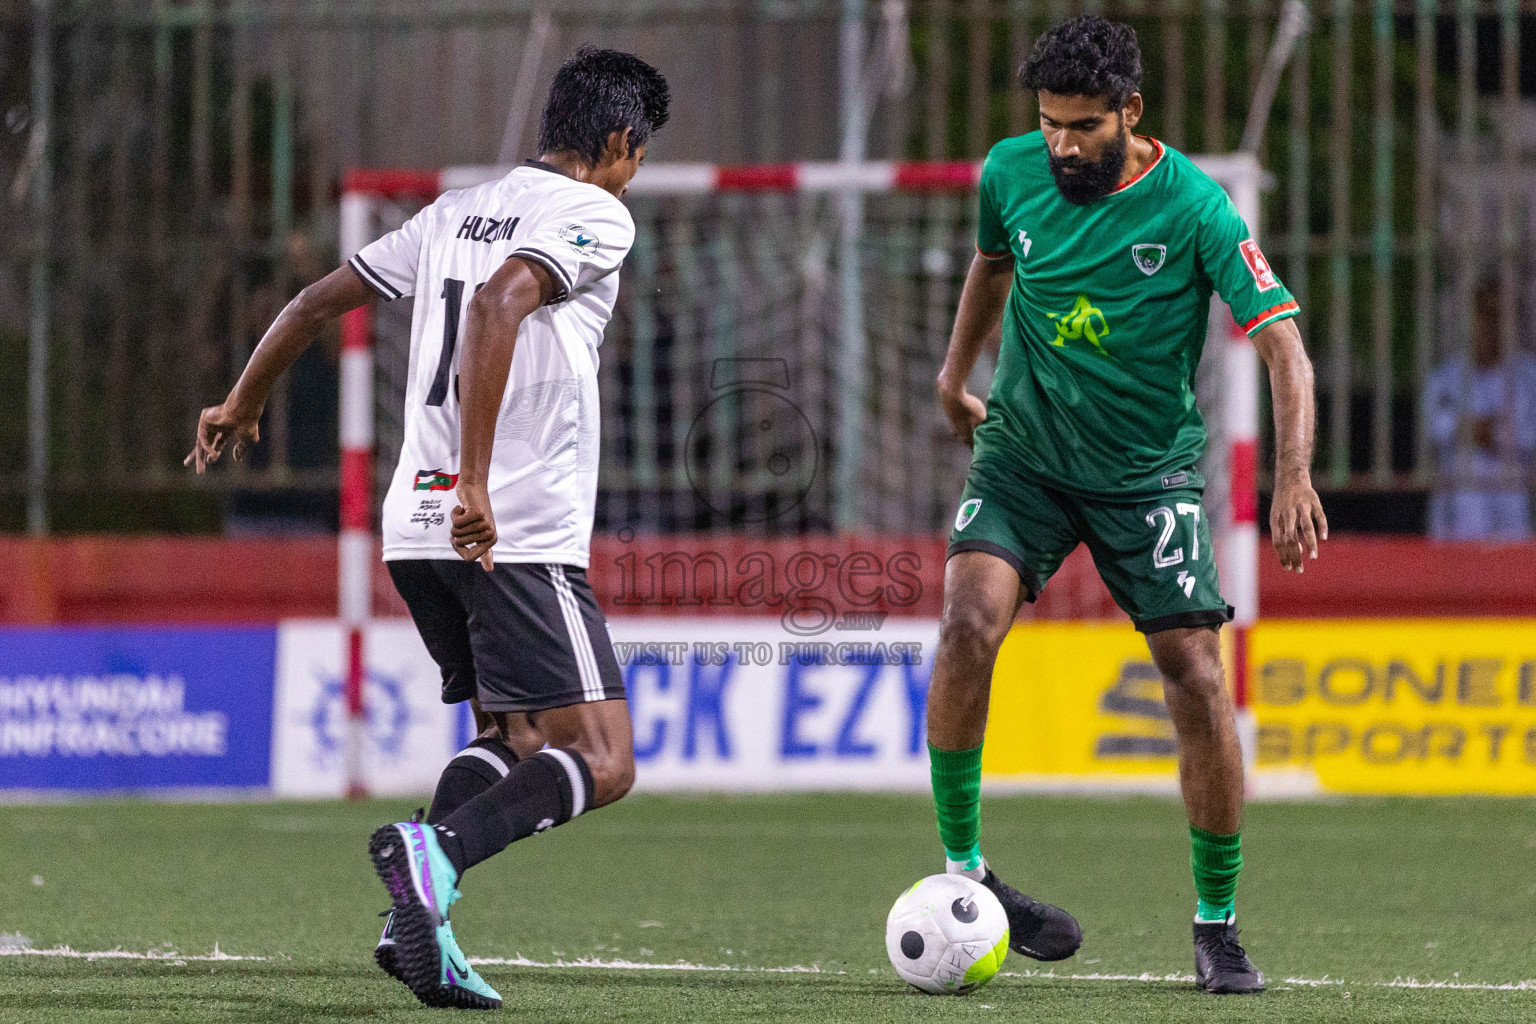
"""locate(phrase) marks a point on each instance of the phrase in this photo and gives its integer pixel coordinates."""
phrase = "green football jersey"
(1095, 387)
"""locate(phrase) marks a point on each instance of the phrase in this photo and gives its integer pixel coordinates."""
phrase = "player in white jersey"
(513, 283)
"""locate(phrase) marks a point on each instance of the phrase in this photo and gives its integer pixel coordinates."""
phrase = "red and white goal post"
(376, 200)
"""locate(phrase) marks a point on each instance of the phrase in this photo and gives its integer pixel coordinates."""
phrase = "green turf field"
(784, 897)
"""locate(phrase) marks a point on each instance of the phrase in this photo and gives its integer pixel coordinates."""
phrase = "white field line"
(166, 955)
(1188, 979)
(1528, 985)
(599, 963)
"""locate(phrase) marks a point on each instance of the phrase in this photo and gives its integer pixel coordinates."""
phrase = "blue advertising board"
(743, 704)
(129, 708)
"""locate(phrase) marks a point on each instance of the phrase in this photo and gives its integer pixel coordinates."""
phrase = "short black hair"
(598, 92)
(1086, 56)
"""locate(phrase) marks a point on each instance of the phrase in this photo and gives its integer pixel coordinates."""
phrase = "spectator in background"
(1480, 412)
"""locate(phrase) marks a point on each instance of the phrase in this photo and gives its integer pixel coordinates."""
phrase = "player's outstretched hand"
(1296, 521)
(474, 527)
(218, 426)
(965, 412)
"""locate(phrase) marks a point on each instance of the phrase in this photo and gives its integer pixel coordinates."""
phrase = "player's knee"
(1196, 696)
(972, 631)
(1196, 682)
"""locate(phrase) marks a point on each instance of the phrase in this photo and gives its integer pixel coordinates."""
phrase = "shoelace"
(1227, 953)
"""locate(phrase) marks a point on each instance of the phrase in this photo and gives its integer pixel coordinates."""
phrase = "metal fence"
(171, 172)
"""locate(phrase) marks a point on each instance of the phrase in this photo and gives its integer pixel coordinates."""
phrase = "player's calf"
(613, 775)
(473, 770)
(538, 793)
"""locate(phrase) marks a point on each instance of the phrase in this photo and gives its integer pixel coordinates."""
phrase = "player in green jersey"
(1099, 250)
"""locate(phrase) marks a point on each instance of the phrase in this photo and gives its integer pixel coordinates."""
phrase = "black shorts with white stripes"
(523, 637)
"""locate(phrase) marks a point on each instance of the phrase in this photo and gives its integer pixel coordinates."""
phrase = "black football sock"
(545, 790)
(472, 771)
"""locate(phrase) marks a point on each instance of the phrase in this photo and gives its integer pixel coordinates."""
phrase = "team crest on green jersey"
(968, 510)
(1084, 321)
(1149, 257)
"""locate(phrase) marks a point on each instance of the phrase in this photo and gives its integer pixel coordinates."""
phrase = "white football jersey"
(543, 477)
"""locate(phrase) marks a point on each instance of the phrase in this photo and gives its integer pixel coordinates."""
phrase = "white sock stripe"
(578, 789)
(486, 756)
(581, 641)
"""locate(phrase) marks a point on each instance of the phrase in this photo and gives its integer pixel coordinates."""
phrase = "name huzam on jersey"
(543, 477)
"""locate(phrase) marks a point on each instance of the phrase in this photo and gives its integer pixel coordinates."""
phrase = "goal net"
(769, 371)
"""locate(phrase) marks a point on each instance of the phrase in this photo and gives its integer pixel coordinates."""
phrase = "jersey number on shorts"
(1163, 516)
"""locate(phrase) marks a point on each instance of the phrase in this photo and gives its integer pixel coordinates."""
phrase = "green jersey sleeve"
(1240, 273)
(991, 235)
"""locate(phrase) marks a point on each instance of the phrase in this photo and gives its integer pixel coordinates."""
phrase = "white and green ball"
(947, 935)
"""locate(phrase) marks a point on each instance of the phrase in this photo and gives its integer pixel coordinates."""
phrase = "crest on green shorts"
(1149, 257)
(968, 510)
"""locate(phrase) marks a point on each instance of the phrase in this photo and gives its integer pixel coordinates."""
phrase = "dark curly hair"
(1086, 56)
(598, 92)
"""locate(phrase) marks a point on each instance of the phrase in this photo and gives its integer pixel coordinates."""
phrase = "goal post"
(736, 267)
(1237, 436)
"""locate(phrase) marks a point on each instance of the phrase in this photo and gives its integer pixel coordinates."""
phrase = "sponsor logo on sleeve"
(582, 241)
(967, 512)
(1258, 266)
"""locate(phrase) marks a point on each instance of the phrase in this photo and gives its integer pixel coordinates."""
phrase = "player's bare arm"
(234, 423)
(978, 319)
(1296, 519)
(496, 313)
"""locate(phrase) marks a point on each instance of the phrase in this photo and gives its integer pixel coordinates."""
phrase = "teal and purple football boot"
(424, 954)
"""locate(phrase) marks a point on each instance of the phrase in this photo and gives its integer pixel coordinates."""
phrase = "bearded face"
(1082, 181)
(1088, 142)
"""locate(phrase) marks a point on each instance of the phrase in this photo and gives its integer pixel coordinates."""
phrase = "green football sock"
(957, 798)
(1216, 861)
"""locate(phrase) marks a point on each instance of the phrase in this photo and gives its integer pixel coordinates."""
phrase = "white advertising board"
(409, 733)
(718, 704)
(743, 704)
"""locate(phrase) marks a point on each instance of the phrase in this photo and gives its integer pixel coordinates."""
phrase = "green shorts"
(1154, 554)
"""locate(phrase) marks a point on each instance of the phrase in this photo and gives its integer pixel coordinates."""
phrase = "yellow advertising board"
(1074, 700)
(1348, 706)
(1399, 705)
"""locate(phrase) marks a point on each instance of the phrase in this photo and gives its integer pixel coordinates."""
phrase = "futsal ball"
(947, 935)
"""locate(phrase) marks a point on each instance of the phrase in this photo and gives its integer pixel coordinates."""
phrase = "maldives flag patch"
(1258, 266)
(435, 480)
